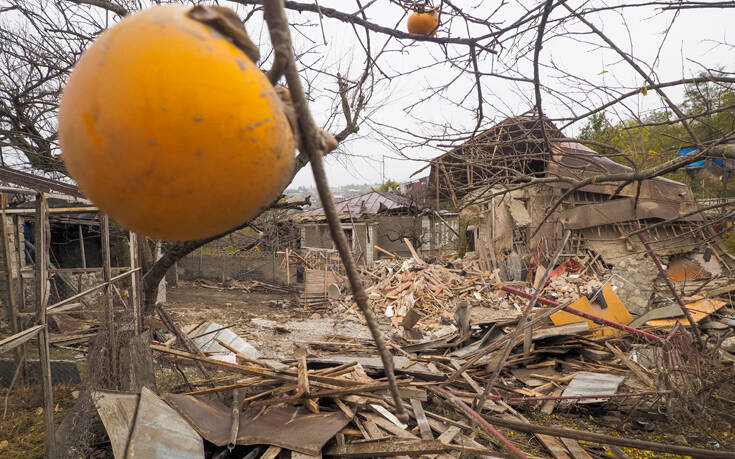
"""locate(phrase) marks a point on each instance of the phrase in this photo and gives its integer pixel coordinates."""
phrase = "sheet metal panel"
(161, 433)
(288, 427)
(588, 383)
(208, 337)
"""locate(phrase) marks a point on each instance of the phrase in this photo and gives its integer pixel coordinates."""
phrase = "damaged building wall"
(505, 222)
(390, 231)
(360, 236)
(428, 233)
(442, 234)
(265, 267)
(316, 235)
(599, 224)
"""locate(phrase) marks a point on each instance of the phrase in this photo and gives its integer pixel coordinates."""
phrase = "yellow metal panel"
(699, 309)
(615, 311)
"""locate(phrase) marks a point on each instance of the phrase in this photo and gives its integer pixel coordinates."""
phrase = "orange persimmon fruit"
(423, 22)
(172, 130)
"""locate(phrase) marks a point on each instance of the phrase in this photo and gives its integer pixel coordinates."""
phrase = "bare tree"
(476, 50)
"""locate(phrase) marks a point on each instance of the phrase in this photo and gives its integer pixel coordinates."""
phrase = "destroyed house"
(377, 224)
(75, 243)
(515, 196)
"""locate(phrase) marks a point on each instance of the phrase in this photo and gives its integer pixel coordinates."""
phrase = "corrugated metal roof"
(36, 182)
(372, 203)
(581, 156)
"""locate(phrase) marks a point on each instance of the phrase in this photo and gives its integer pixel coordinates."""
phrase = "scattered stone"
(729, 344)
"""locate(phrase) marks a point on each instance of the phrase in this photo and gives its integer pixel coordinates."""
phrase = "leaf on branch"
(644, 91)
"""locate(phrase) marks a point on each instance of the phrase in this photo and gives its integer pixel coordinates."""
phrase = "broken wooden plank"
(575, 449)
(554, 445)
(372, 430)
(19, 338)
(389, 253)
(402, 365)
(374, 387)
(389, 426)
(389, 448)
(448, 435)
(345, 409)
(413, 252)
(634, 367)
(420, 416)
(548, 407)
(574, 328)
(271, 453)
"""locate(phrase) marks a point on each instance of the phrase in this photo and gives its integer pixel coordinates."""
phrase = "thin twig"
(281, 40)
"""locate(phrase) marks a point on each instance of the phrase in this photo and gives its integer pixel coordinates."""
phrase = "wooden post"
(109, 313)
(436, 185)
(288, 269)
(20, 248)
(81, 247)
(83, 256)
(12, 305)
(175, 280)
(449, 184)
(134, 281)
(41, 279)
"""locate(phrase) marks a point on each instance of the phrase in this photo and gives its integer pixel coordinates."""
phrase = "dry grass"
(22, 431)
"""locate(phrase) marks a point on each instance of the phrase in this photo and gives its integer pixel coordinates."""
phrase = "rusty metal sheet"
(683, 269)
(159, 432)
(620, 210)
(288, 427)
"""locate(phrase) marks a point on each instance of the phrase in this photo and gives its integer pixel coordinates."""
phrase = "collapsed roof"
(514, 152)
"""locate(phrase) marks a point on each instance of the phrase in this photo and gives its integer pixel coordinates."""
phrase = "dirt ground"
(273, 323)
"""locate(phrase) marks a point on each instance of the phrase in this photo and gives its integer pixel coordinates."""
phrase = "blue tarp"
(686, 151)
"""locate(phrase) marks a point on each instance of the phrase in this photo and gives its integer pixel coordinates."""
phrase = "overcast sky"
(692, 44)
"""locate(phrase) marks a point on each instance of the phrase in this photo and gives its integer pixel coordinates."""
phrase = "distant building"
(381, 220)
(491, 179)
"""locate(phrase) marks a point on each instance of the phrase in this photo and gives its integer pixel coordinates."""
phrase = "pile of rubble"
(530, 354)
(489, 392)
(340, 405)
(430, 291)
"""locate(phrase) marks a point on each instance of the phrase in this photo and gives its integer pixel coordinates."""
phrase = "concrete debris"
(635, 278)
